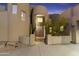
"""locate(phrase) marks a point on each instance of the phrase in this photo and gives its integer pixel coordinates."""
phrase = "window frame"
(14, 8)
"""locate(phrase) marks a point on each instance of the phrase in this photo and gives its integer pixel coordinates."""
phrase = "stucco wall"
(3, 26)
(25, 25)
(17, 27)
(76, 12)
(73, 14)
(75, 19)
(67, 13)
(39, 10)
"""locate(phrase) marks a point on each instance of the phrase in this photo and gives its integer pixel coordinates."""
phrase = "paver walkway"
(46, 50)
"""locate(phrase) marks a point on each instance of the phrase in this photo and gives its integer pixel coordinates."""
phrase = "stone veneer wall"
(58, 39)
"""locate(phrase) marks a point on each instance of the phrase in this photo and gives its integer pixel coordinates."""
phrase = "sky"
(55, 8)
(3, 6)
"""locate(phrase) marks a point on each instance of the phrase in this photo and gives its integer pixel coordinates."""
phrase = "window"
(40, 19)
(23, 15)
(14, 8)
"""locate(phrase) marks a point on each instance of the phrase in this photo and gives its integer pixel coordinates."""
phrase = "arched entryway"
(39, 17)
(40, 28)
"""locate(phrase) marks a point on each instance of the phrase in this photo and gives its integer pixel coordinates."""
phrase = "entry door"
(39, 27)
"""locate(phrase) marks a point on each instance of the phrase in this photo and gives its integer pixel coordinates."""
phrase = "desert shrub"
(58, 27)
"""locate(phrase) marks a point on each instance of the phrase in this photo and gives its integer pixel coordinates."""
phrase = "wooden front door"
(39, 33)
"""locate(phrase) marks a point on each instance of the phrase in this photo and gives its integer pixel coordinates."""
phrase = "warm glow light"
(39, 20)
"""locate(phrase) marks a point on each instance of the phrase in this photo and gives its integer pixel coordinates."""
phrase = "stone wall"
(58, 39)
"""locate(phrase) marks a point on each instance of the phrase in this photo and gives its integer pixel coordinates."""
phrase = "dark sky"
(56, 8)
(53, 8)
(3, 6)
